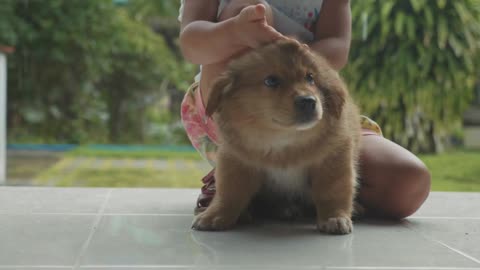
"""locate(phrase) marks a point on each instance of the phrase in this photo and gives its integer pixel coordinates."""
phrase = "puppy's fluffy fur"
(290, 136)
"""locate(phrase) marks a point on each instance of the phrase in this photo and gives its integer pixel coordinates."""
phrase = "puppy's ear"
(333, 88)
(335, 95)
(221, 86)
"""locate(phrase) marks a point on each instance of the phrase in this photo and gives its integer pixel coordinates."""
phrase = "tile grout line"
(458, 251)
(35, 266)
(150, 214)
(96, 222)
(463, 254)
(139, 266)
(307, 267)
(177, 215)
(445, 217)
(399, 268)
(104, 214)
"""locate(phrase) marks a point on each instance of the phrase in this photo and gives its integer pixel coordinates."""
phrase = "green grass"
(68, 172)
(140, 154)
(454, 171)
(27, 167)
(130, 177)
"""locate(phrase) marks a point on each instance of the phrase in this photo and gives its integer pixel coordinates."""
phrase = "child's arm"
(205, 41)
(333, 32)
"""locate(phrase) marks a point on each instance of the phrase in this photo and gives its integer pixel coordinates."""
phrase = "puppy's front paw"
(212, 222)
(339, 225)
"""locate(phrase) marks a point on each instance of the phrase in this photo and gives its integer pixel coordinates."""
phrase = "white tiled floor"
(53, 228)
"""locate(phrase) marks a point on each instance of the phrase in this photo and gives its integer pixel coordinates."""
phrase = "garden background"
(94, 88)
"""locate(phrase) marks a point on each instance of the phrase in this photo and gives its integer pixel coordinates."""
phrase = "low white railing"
(3, 117)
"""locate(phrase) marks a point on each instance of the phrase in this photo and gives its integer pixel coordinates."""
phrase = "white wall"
(3, 117)
(472, 137)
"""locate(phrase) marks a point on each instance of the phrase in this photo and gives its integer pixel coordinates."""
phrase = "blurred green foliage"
(107, 71)
(90, 70)
(413, 66)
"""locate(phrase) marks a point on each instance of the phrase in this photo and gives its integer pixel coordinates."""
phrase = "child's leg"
(394, 182)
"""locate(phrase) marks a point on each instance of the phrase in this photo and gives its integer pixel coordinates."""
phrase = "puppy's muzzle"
(306, 108)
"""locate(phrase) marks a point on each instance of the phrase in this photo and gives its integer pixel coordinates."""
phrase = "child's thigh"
(384, 158)
(234, 7)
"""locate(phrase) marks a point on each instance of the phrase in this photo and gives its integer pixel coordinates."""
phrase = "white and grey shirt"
(291, 17)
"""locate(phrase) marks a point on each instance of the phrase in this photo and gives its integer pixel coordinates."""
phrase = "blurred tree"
(162, 16)
(60, 50)
(81, 66)
(8, 22)
(145, 10)
(413, 66)
(139, 67)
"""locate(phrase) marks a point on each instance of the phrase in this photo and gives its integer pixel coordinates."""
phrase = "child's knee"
(234, 7)
(410, 188)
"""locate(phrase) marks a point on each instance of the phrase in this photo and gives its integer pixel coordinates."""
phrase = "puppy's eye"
(272, 81)
(309, 78)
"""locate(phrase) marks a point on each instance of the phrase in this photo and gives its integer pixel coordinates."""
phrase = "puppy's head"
(280, 86)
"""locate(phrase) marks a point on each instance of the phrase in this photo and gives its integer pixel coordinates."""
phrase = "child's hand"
(296, 40)
(251, 27)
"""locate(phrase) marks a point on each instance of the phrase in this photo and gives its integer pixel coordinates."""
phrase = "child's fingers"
(268, 35)
(253, 13)
(296, 40)
(274, 34)
(260, 11)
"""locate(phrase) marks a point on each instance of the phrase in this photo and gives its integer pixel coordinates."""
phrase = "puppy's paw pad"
(210, 222)
(340, 225)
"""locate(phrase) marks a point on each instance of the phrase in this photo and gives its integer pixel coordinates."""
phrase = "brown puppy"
(289, 132)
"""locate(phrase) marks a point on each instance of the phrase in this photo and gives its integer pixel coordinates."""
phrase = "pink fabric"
(207, 122)
(200, 129)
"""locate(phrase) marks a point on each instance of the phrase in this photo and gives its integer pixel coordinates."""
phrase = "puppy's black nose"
(305, 104)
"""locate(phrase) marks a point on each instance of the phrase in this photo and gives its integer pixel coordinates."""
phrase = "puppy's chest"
(287, 181)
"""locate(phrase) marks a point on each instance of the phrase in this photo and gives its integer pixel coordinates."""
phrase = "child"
(394, 183)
